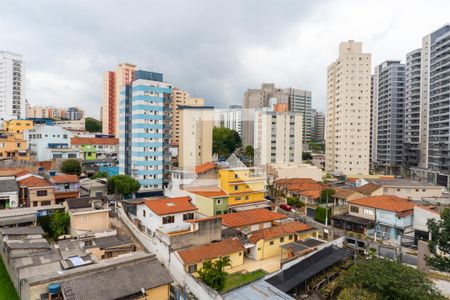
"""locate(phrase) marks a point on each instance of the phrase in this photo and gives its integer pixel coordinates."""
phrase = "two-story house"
(248, 221)
(92, 148)
(165, 214)
(66, 186)
(391, 215)
(35, 190)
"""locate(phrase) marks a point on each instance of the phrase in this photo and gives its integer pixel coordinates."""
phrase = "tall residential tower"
(12, 83)
(348, 111)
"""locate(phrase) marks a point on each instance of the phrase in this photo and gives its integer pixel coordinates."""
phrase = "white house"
(9, 193)
(49, 142)
(165, 214)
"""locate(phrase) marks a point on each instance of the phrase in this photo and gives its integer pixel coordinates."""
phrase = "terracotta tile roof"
(278, 231)
(210, 251)
(22, 173)
(205, 167)
(164, 206)
(367, 189)
(14, 171)
(341, 193)
(34, 181)
(294, 181)
(250, 217)
(65, 179)
(94, 141)
(304, 187)
(210, 194)
(390, 203)
(314, 194)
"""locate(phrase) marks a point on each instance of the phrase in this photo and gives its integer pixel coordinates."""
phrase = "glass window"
(41, 193)
(168, 219)
(354, 209)
(271, 243)
(281, 239)
(188, 216)
(192, 268)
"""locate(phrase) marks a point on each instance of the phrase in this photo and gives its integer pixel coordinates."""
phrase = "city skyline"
(65, 58)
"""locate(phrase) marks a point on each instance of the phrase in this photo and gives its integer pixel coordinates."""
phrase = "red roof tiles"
(210, 251)
(390, 203)
(368, 189)
(278, 231)
(94, 141)
(210, 194)
(165, 206)
(65, 179)
(250, 217)
(34, 181)
(204, 167)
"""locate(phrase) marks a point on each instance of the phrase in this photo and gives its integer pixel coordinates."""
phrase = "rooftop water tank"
(53, 288)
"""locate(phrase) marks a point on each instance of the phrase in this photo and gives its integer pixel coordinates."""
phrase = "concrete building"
(13, 148)
(318, 126)
(181, 98)
(12, 85)
(9, 193)
(49, 142)
(145, 126)
(93, 148)
(74, 113)
(229, 118)
(296, 99)
(17, 127)
(88, 216)
(413, 115)
(348, 111)
(113, 81)
(71, 113)
(195, 136)
(388, 118)
(76, 125)
(278, 136)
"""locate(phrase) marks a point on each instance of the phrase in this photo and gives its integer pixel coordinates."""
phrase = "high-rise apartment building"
(297, 100)
(145, 126)
(113, 81)
(195, 144)
(278, 135)
(348, 111)
(181, 98)
(388, 117)
(71, 113)
(413, 137)
(12, 85)
(318, 128)
(229, 118)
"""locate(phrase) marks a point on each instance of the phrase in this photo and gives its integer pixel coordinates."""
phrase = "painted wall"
(414, 193)
(361, 212)
(93, 221)
(35, 200)
(236, 259)
(152, 221)
(390, 218)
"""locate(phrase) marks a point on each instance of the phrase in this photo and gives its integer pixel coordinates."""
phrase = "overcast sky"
(212, 49)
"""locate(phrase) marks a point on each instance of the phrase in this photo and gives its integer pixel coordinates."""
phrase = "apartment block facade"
(348, 111)
(388, 117)
(145, 130)
(12, 85)
(229, 118)
(318, 128)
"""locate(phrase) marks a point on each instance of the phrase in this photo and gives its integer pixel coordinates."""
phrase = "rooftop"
(294, 181)
(84, 203)
(367, 189)
(164, 206)
(65, 178)
(341, 193)
(390, 203)
(8, 186)
(315, 194)
(210, 193)
(94, 141)
(117, 281)
(278, 231)
(404, 183)
(34, 181)
(205, 167)
(32, 230)
(210, 251)
(250, 217)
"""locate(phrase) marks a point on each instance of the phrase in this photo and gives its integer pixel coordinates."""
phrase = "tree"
(249, 152)
(92, 125)
(388, 280)
(71, 166)
(59, 224)
(225, 141)
(100, 175)
(326, 195)
(353, 293)
(306, 156)
(213, 274)
(123, 185)
(440, 240)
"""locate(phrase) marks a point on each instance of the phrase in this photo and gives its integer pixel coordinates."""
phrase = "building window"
(368, 211)
(168, 219)
(354, 209)
(188, 216)
(290, 237)
(246, 198)
(46, 203)
(398, 190)
(271, 243)
(236, 176)
(143, 213)
(281, 239)
(238, 198)
(219, 201)
(192, 268)
(41, 193)
(236, 187)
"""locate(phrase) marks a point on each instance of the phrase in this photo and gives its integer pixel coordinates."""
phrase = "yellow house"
(194, 257)
(242, 185)
(17, 127)
(268, 241)
(13, 148)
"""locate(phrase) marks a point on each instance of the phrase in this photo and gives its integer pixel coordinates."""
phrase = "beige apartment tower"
(195, 144)
(181, 98)
(347, 134)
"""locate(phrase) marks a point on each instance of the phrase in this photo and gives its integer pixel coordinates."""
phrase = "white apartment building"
(278, 136)
(12, 85)
(195, 140)
(229, 118)
(347, 133)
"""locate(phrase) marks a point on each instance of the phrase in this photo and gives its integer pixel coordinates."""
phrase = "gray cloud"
(213, 49)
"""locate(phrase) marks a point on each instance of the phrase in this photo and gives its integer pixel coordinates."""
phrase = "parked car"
(268, 197)
(286, 207)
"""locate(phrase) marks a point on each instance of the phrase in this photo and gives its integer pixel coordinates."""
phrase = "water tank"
(53, 288)
(52, 173)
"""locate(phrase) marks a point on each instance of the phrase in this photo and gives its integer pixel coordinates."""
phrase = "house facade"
(9, 193)
(35, 191)
(243, 185)
(66, 186)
